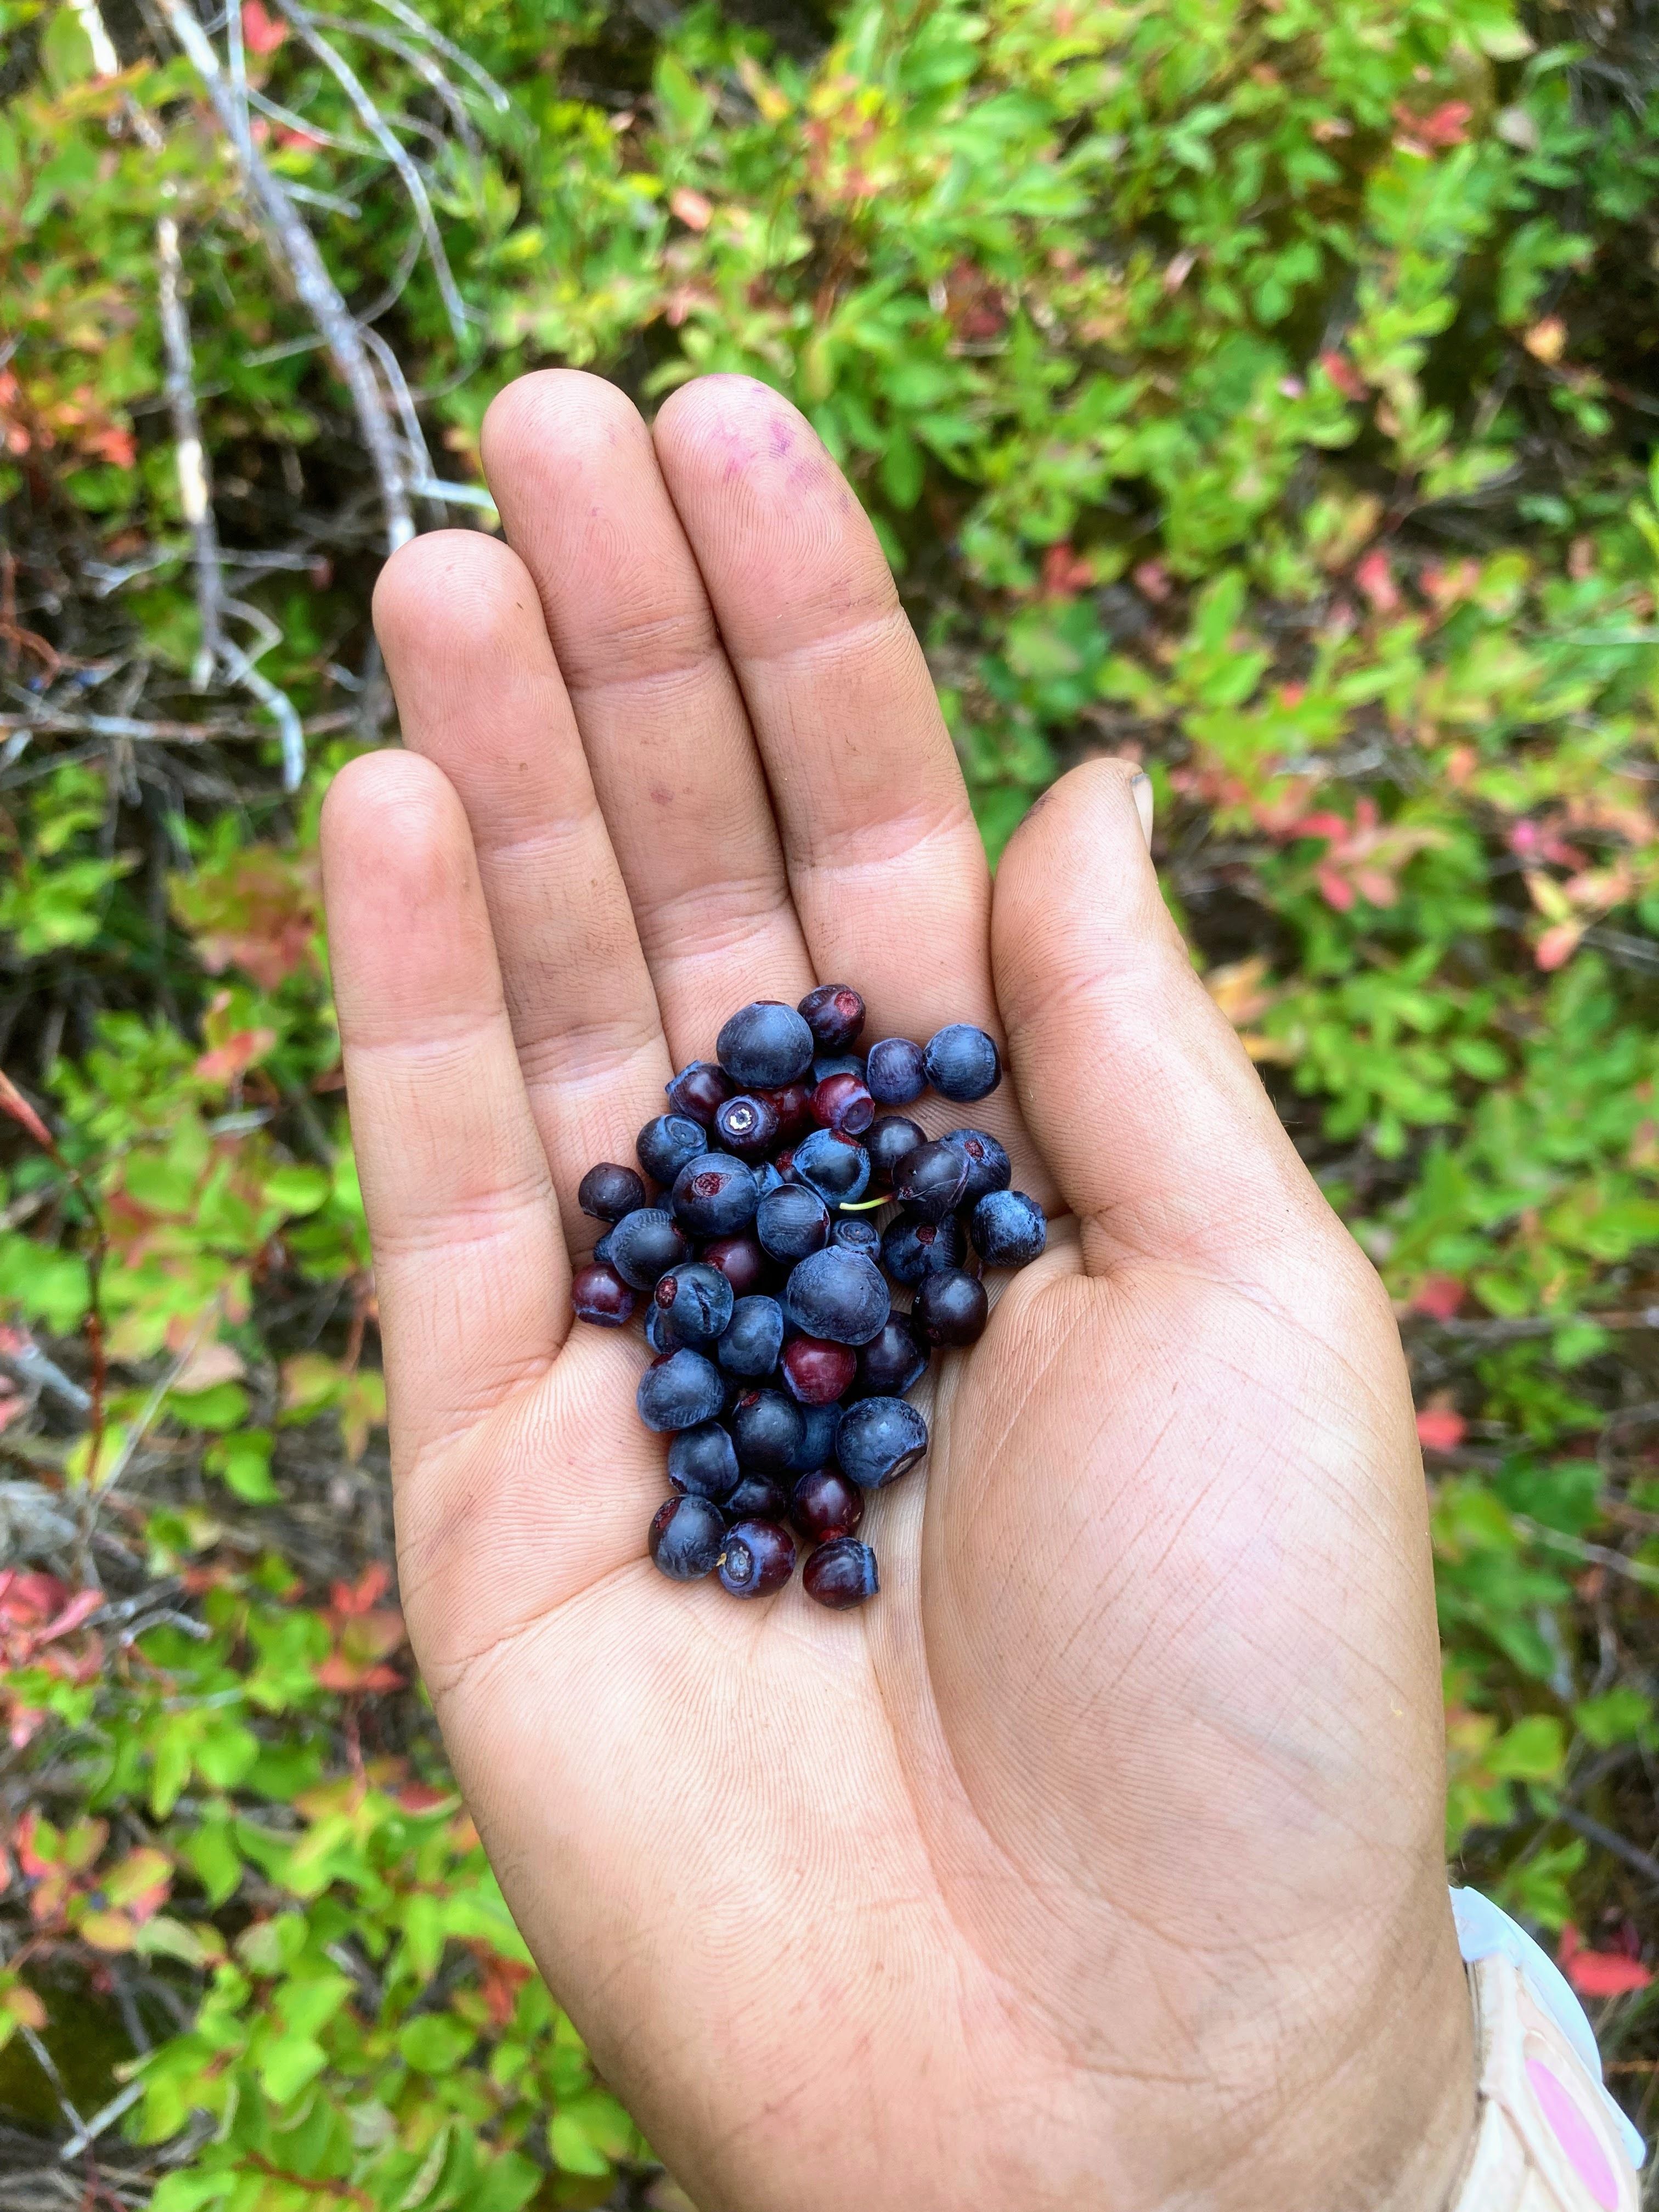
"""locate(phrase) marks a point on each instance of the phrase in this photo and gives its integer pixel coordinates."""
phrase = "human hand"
(1097, 1862)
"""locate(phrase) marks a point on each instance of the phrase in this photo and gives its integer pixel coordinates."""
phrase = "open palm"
(1096, 1863)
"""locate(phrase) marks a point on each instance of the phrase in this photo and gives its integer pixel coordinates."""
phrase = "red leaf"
(1439, 1296)
(1344, 375)
(263, 32)
(1376, 580)
(1438, 1429)
(693, 209)
(1337, 891)
(80, 1606)
(1599, 1973)
(364, 1594)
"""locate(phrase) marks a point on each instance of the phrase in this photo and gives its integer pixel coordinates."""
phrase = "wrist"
(1390, 2126)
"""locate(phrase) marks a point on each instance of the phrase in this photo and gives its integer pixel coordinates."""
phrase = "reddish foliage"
(1599, 1973)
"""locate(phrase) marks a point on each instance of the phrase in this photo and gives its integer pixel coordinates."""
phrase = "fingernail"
(1141, 786)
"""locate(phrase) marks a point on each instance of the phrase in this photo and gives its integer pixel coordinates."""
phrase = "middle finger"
(573, 470)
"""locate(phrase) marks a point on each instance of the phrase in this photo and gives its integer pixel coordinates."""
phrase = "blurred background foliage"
(1262, 388)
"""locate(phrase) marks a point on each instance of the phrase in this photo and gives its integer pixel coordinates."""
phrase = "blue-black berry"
(765, 1044)
(879, 1439)
(930, 1182)
(714, 1195)
(665, 1145)
(645, 1244)
(951, 1308)
(838, 1294)
(988, 1162)
(894, 1071)
(695, 1301)
(607, 1192)
(962, 1062)
(678, 1391)
(1008, 1229)
(703, 1462)
(686, 1538)
(753, 1339)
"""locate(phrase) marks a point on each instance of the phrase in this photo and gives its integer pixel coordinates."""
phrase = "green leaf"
(434, 2042)
(288, 2064)
(65, 51)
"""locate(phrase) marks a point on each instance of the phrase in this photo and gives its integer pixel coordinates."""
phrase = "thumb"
(1144, 1102)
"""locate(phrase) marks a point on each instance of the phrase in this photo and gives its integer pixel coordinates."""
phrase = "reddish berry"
(792, 1104)
(841, 1574)
(599, 1295)
(835, 1014)
(758, 1557)
(817, 1371)
(842, 1103)
(741, 1260)
(824, 1505)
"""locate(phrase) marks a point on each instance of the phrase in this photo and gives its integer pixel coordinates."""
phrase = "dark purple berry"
(820, 1425)
(988, 1162)
(753, 1339)
(697, 1090)
(645, 1245)
(688, 1535)
(665, 1145)
(930, 1182)
(703, 1462)
(911, 1249)
(841, 1574)
(879, 1439)
(792, 1221)
(890, 1143)
(741, 1260)
(835, 1014)
(748, 1125)
(766, 1428)
(892, 1363)
(599, 1295)
(607, 1192)
(824, 1505)
(951, 1308)
(894, 1072)
(714, 1195)
(857, 1233)
(841, 1101)
(679, 1390)
(757, 1497)
(1008, 1229)
(764, 1045)
(817, 1371)
(758, 1557)
(695, 1301)
(962, 1062)
(839, 1294)
(837, 1167)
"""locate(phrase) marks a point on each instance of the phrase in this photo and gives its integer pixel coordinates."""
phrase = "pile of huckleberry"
(782, 1363)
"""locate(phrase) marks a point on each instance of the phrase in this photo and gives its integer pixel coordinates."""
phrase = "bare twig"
(422, 65)
(1609, 1839)
(194, 495)
(395, 151)
(319, 293)
(413, 21)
